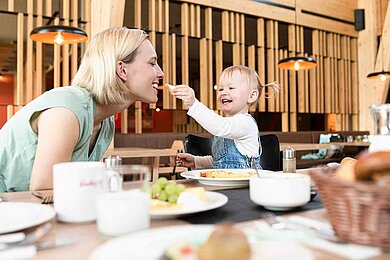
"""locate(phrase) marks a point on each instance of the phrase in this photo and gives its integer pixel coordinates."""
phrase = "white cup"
(74, 188)
(122, 212)
(280, 191)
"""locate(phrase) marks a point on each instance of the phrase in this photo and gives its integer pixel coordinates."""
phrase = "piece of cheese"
(170, 87)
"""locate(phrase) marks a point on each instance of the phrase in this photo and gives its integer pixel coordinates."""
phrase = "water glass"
(123, 211)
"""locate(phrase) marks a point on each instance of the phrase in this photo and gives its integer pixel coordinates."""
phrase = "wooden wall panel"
(29, 55)
(335, 48)
(19, 66)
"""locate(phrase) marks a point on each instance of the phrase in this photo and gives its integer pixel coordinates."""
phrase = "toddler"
(236, 143)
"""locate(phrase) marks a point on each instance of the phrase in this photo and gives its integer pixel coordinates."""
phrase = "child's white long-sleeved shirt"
(242, 128)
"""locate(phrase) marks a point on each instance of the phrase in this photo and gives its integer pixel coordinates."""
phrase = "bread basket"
(358, 211)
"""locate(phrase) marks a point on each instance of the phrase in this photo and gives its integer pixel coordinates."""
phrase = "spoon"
(255, 167)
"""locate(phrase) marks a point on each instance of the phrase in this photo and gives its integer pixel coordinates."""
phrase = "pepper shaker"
(289, 161)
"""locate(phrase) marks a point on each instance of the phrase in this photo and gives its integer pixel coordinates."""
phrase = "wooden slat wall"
(326, 89)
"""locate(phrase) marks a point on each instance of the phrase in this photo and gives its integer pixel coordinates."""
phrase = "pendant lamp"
(58, 34)
(382, 75)
(297, 63)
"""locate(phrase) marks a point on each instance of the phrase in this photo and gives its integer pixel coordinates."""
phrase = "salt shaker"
(289, 161)
(113, 161)
(114, 179)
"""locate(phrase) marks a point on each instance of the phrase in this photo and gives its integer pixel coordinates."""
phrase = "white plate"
(15, 216)
(214, 200)
(233, 182)
(151, 244)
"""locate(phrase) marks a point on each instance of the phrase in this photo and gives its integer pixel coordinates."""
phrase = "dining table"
(316, 146)
(87, 238)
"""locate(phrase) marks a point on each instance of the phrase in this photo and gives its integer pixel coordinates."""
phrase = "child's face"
(234, 94)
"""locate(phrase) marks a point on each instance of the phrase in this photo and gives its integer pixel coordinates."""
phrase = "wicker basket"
(358, 211)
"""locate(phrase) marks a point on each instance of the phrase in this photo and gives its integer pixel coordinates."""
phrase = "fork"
(275, 223)
(173, 174)
(46, 199)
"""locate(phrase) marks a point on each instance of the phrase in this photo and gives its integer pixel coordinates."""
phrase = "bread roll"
(225, 243)
(348, 160)
(372, 166)
(346, 170)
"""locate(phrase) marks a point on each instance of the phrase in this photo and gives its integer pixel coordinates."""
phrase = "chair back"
(198, 145)
(270, 156)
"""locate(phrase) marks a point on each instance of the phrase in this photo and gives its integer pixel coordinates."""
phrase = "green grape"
(156, 188)
(163, 196)
(162, 181)
(179, 188)
(170, 188)
(172, 198)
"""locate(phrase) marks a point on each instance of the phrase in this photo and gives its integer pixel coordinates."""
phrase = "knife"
(322, 233)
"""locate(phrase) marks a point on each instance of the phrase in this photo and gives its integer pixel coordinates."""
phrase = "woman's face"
(143, 74)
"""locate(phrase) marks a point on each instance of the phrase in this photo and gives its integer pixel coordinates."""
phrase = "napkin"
(350, 251)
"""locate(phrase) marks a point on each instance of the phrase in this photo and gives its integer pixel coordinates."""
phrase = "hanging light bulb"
(58, 34)
(383, 75)
(59, 39)
(297, 63)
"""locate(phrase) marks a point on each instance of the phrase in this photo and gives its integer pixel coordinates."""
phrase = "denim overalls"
(227, 156)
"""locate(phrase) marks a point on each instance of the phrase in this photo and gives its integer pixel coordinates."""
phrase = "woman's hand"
(186, 160)
(184, 93)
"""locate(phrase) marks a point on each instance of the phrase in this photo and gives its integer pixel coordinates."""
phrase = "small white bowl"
(280, 191)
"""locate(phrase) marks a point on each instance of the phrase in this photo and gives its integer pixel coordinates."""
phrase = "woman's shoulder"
(69, 91)
(69, 96)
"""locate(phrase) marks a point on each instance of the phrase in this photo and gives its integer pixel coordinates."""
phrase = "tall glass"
(381, 139)
(125, 210)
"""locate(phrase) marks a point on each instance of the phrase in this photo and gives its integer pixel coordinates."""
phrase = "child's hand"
(184, 93)
(186, 160)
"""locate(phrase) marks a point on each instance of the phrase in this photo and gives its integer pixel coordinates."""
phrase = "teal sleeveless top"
(18, 142)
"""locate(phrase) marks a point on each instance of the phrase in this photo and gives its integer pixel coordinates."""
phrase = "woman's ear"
(121, 70)
(253, 96)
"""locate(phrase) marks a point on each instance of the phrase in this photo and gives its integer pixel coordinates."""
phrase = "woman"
(75, 123)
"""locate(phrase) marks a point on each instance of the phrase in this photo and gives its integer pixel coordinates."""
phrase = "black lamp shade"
(383, 75)
(67, 34)
(297, 63)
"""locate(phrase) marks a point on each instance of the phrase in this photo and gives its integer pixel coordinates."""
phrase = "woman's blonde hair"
(97, 72)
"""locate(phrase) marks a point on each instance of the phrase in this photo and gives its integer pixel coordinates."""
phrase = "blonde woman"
(75, 123)
(236, 142)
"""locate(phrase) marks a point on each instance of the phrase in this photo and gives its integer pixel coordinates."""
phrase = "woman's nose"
(160, 73)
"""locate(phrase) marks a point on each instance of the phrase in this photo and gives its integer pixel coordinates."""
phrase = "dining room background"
(196, 40)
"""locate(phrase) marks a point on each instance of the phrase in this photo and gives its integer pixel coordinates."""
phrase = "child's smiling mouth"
(226, 101)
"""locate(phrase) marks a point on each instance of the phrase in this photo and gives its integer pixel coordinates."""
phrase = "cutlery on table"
(254, 166)
(277, 223)
(29, 238)
(176, 162)
(46, 199)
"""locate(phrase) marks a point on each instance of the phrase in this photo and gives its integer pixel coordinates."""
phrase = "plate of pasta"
(222, 177)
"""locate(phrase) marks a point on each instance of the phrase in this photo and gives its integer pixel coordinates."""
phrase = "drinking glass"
(121, 211)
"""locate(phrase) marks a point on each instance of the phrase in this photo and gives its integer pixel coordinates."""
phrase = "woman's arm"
(58, 133)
